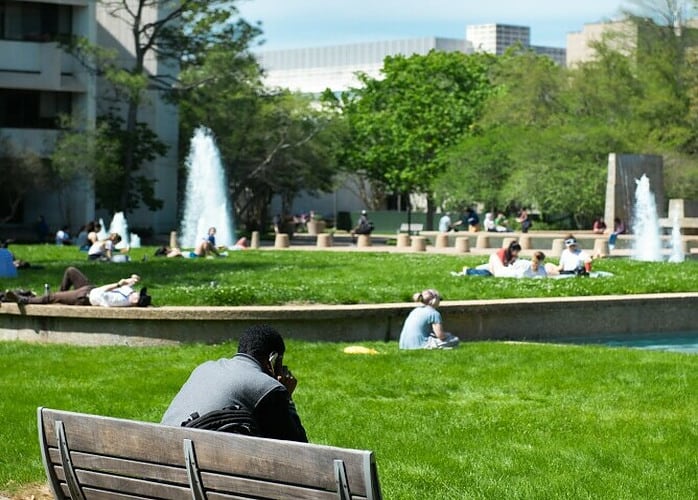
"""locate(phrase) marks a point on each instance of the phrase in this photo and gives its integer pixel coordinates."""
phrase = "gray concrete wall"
(623, 170)
(515, 319)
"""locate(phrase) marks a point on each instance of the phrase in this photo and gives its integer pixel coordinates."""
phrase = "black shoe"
(11, 296)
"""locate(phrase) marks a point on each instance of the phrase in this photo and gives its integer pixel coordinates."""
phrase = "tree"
(400, 126)
(23, 173)
(271, 141)
(169, 32)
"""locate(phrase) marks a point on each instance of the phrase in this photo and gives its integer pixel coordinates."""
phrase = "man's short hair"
(259, 341)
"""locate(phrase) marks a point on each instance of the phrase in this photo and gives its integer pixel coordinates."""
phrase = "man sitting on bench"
(252, 385)
(364, 226)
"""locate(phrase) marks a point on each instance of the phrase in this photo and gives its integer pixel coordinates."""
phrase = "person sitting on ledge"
(76, 290)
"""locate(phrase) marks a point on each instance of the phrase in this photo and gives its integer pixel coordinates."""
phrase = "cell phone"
(272, 362)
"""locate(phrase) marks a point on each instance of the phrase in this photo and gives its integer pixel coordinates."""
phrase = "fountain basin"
(511, 319)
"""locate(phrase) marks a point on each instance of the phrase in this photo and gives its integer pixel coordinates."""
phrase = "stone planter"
(316, 227)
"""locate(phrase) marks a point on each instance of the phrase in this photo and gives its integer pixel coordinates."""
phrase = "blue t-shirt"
(417, 328)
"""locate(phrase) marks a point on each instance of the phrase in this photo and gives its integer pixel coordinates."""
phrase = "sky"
(289, 24)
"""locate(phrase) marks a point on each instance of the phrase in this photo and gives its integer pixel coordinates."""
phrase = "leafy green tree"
(400, 126)
(171, 33)
(272, 141)
(23, 172)
(543, 139)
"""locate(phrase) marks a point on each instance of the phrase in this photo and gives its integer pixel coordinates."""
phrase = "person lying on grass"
(76, 290)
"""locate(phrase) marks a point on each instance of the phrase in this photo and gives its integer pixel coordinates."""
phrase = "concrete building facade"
(40, 81)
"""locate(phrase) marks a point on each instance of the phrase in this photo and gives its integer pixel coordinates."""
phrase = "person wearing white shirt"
(573, 259)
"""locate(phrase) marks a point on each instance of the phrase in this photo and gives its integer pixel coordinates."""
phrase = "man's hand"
(287, 379)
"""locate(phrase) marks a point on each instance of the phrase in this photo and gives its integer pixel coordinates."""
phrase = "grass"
(487, 420)
(293, 276)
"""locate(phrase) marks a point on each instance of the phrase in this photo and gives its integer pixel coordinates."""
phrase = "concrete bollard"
(403, 240)
(254, 241)
(525, 242)
(324, 240)
(173, 239)
(507, 241)
(364, 240)
(462, 244)
(482, 242)
(419, 244)
(281, 241)
(558, 246)
(600, 248)
(442, 240)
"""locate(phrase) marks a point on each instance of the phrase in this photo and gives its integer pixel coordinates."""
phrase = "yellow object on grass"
(359, 349)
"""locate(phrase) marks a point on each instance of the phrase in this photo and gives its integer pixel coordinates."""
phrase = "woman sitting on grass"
(423, 328)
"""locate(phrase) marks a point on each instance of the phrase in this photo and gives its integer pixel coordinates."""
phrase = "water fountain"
(677, 252)
(206, 201)
(102, 233)
(120, 226)
(647, 244)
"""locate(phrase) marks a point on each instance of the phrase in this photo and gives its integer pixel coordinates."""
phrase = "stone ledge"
(512, 319)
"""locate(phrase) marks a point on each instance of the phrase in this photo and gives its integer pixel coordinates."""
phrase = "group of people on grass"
(506, 263)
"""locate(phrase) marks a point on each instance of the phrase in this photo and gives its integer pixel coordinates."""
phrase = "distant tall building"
(580, 43)
(497, 38)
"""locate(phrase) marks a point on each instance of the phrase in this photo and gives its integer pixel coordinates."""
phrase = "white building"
(312, 70)
(39, 81)
(497, 38)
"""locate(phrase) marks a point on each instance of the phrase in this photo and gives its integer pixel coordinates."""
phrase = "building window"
(33, 108)
(34, 22)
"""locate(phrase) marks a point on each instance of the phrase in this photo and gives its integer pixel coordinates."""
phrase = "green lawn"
(266, 277)
(487, 420)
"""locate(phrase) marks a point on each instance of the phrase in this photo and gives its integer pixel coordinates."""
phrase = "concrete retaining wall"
(514, 319)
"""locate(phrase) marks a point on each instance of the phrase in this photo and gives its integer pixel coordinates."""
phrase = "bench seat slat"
(110, 482)
(120, 466)
(217, 483)
(96, 494)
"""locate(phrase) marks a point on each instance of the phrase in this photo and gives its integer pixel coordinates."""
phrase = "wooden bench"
(96, 457)
(413, 228)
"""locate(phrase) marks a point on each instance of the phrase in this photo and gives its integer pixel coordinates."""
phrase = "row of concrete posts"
(419, 243)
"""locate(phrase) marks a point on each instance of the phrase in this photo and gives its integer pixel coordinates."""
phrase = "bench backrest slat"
(140, 458)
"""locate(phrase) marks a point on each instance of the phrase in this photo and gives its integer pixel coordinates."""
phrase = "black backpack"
(234, 419)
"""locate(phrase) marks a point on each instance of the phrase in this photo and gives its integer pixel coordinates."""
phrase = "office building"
(40, 81)
(497, 38)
